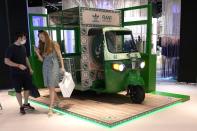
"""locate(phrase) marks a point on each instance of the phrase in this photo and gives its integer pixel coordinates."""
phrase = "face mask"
(23, 42)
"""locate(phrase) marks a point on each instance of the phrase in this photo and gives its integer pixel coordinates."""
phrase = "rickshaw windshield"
(120, 42)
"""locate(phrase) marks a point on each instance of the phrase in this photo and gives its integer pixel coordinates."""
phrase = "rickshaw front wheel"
(137, 94)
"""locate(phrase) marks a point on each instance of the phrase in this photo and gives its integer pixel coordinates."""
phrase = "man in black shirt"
(16, 58)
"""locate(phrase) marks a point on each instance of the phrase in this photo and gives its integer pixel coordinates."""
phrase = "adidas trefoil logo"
(95, 18)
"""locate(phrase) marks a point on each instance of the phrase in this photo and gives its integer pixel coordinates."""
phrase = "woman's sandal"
(58, 104)
(50, 113)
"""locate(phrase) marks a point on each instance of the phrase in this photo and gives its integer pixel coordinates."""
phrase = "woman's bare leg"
(56, 97)
(52, 99)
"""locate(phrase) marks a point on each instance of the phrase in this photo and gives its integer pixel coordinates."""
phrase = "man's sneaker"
(28, 107)
(22, 110)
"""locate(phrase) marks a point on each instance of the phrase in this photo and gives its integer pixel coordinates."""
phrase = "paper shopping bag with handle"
(67, 85)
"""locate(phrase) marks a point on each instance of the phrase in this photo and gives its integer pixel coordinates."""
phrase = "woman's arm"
(59, 54)
(37, 51)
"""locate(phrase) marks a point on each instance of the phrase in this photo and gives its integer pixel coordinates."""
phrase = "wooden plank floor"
(107, 108)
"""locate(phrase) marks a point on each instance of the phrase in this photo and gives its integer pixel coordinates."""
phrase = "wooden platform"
(109, 109)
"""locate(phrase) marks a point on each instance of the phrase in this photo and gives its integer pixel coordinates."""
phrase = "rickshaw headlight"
(118, 67)
(142, 64)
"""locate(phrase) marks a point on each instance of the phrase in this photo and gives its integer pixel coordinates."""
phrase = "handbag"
(67, 85)
(34, 92)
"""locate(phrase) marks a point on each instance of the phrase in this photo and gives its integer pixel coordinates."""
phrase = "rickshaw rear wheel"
(137, 94)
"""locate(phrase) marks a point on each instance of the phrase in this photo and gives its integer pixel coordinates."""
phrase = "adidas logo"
(95, 17)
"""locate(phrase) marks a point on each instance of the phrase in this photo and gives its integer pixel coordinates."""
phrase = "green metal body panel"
(149, 72)
(135, 78)
(37, 75)
(36, 65)
(116, 81)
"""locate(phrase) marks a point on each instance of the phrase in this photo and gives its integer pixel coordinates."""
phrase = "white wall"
(37, 10)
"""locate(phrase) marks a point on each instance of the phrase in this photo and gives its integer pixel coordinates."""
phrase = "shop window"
(139, 34)
(39, 21)
(68, 41)
(135, 15)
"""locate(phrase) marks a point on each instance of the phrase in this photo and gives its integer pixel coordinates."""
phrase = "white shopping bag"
(67, 85)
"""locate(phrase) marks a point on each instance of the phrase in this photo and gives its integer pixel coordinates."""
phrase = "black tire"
(137, 94)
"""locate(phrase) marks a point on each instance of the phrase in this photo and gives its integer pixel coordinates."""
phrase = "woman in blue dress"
(49, 53)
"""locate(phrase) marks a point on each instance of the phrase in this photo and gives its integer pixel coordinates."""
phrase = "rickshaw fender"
(134, 80)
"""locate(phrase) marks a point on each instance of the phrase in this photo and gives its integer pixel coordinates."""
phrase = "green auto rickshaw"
(116, 62)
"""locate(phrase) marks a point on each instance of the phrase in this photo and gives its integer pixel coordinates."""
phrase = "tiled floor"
(182, 117)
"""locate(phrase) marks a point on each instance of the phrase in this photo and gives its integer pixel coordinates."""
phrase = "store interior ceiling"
(50, 5)
(56, 5)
